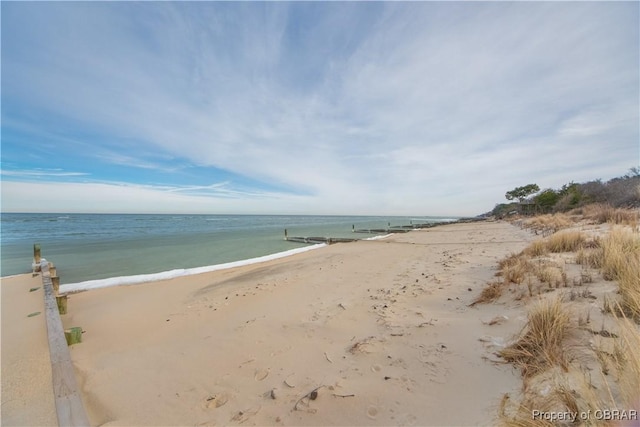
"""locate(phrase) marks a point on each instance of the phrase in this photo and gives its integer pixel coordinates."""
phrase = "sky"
(380, 108)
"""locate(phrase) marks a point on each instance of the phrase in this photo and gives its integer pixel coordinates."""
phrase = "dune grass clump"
(547, 224)
(514, 268)
(621, 262)
(627, 362)
(550, 274)
(566, 241)
(536, 249)
(541, 344)
(603, 213)
(490, 293)
(590, 257)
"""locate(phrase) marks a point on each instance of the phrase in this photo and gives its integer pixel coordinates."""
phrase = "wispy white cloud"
(409, 108)
(38, 173)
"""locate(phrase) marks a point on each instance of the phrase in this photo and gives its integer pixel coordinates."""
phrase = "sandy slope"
(382, 330)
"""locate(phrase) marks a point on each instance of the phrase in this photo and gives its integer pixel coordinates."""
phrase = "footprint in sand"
(372, 412)
(217, 400)
(291, 381)
(261, 374)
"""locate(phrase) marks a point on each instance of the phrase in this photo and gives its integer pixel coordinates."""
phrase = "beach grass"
(565, 241)
(621, 262)
(541, 343)
(603, 213)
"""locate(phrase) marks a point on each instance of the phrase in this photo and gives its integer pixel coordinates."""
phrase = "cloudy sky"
(319, 108)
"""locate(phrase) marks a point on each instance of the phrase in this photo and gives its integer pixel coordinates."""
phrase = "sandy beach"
(27, 391)
(365, 333)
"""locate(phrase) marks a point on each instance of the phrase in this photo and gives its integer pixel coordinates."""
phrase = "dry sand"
(27, 391)
(378, 332)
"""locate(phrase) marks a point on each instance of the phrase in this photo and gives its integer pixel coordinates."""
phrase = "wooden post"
(285, 235)
(353, 228)
(73, 335)
(52, 269)
(36, 253)
(62, 304)
(55, 281)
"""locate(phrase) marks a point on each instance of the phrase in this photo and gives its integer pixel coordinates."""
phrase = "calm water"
(98, 246)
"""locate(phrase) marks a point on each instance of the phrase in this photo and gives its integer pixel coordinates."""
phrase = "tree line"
(621, 192)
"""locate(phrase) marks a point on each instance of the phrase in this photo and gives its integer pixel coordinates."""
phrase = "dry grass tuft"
(627, 362)
(590, 257)
(536, 249)
(490, 293)
(541, 343)
(621, 262)
(550, 274)
(514, 268)
(602, 213)
(566, 241)
(554, 391)
(548, 224)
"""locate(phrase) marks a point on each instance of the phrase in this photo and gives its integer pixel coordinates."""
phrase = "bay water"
(99, 246)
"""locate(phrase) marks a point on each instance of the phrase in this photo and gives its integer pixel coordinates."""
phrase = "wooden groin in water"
(69, 407)
(316, 240)
(389, 230)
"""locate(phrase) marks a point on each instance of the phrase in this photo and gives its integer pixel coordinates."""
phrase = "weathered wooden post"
(73, 335)
(36, 259)
(353, 228)
(36, 253)
(55, 281)
(286, 237)
(52, 270)
(62, 304)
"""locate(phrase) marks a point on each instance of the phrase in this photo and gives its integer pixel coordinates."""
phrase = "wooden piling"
(36, 253)
(73, 335)
(52, 270)
(55, 281)
(62, 304)
(286, 237)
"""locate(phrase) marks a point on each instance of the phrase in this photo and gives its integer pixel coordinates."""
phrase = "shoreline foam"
(175, 273)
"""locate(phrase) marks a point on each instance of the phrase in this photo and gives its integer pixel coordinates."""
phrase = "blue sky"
(314, 108)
